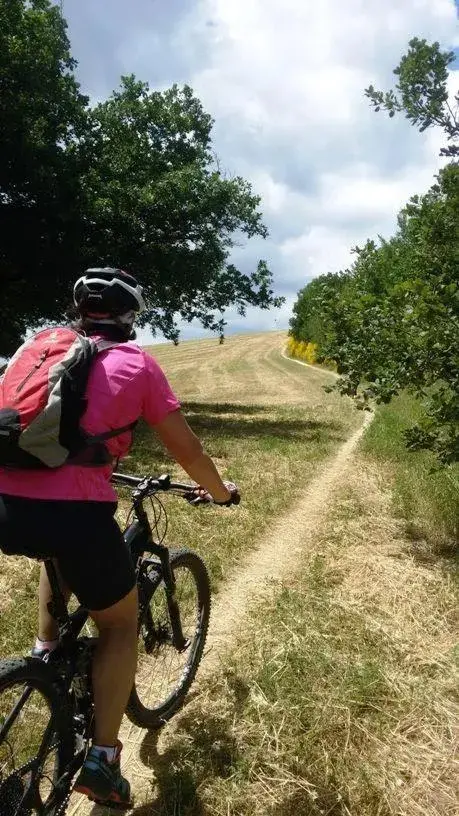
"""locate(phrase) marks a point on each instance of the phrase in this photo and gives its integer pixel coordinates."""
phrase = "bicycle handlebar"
(161, 483)
(146, 485)
(125, 479)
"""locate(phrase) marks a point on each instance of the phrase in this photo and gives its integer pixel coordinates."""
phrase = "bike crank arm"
(64, 781)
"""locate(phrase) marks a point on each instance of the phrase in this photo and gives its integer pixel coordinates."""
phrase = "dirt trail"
(279, 552)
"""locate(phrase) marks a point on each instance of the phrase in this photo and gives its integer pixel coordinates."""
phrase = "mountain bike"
(46, 706)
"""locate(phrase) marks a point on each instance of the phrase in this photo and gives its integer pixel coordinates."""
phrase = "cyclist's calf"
(114, 665)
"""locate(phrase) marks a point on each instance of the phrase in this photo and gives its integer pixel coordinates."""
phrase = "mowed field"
(267, 423)
(329, 687)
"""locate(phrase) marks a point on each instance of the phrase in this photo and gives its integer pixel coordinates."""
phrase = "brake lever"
(196, 500)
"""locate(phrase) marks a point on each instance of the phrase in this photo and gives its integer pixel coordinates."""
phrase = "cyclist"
(68, 513)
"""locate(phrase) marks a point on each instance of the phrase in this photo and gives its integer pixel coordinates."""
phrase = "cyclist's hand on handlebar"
(202, 496)
(235, 496)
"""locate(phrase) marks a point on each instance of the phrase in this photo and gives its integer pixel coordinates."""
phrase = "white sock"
(46, 645)
(110, 750)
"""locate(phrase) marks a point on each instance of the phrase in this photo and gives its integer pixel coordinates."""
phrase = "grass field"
(338, 696)
(341, 698)
(425, 495)
(266, 422)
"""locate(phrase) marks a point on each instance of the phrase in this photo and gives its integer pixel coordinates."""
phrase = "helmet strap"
(101, 321)
(126, 319)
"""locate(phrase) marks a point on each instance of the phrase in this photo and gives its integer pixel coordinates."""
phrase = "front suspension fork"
(179, 641)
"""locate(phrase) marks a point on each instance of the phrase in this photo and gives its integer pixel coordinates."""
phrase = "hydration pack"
(43, 398)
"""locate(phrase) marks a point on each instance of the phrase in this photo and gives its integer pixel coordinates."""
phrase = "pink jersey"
(125, 383)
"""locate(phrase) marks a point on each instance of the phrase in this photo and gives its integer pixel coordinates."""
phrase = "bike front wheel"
(36, 740)
(165, 674)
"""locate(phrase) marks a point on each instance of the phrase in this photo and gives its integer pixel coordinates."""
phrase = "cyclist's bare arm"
(177, 436)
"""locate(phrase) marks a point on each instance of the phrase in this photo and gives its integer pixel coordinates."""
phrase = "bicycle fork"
(179, 640)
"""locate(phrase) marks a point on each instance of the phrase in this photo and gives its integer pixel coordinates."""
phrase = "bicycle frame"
(138, 537)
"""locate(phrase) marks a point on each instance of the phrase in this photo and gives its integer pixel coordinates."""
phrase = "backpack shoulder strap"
(98, 439)
(93, 440)
(105, 345)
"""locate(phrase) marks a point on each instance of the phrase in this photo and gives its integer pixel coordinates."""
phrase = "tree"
(422, 92)
(311, 322)
(131, 182)
(159, 206)
(392, 321)
(42, 115)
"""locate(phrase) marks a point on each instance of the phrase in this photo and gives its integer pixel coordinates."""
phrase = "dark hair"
(112, 331)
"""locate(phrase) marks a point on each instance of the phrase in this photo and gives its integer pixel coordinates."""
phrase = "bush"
(307, 352)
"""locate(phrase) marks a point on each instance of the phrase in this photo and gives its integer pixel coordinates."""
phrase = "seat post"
(57, 606)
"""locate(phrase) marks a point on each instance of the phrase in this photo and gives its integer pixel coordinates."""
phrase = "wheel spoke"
(163, 672)
(155, 682)
(28, 751)
(15, 711)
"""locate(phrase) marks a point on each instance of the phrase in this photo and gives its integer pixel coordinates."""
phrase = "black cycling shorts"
(82, 536)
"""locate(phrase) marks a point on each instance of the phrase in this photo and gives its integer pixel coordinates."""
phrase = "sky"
(284, 83)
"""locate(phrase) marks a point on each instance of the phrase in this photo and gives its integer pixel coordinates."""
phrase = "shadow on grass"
(177, 783)
(208, 750)
(428, 553)
(208, 421)
(226, 408)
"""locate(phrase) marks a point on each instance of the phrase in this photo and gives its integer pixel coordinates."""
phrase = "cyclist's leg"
(113, 677)
(47, 626)
(24, 530)
(99, 570)
(101, 573)
(114, 665)
(96, 565)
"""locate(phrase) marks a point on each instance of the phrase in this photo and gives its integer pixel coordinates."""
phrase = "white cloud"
(320, 250)
(285, 83)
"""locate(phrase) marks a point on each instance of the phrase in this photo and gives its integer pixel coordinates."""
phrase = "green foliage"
(421, 91)
(391, 321)
(160, 206)
(42, 115)
(309, 322)
(131, 182)
(424, 494)
(408, 335)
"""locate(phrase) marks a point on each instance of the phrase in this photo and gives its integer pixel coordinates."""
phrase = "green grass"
(425, 495)
(270, 451)
(267, 425)
(340, 695)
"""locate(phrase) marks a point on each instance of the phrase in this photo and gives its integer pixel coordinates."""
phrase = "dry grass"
(341, 697)
(267, 423)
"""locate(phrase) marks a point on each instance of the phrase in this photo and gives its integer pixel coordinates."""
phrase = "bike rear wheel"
(164, 674)
(36, 740)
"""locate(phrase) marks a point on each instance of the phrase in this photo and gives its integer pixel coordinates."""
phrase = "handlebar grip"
(195, 500)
